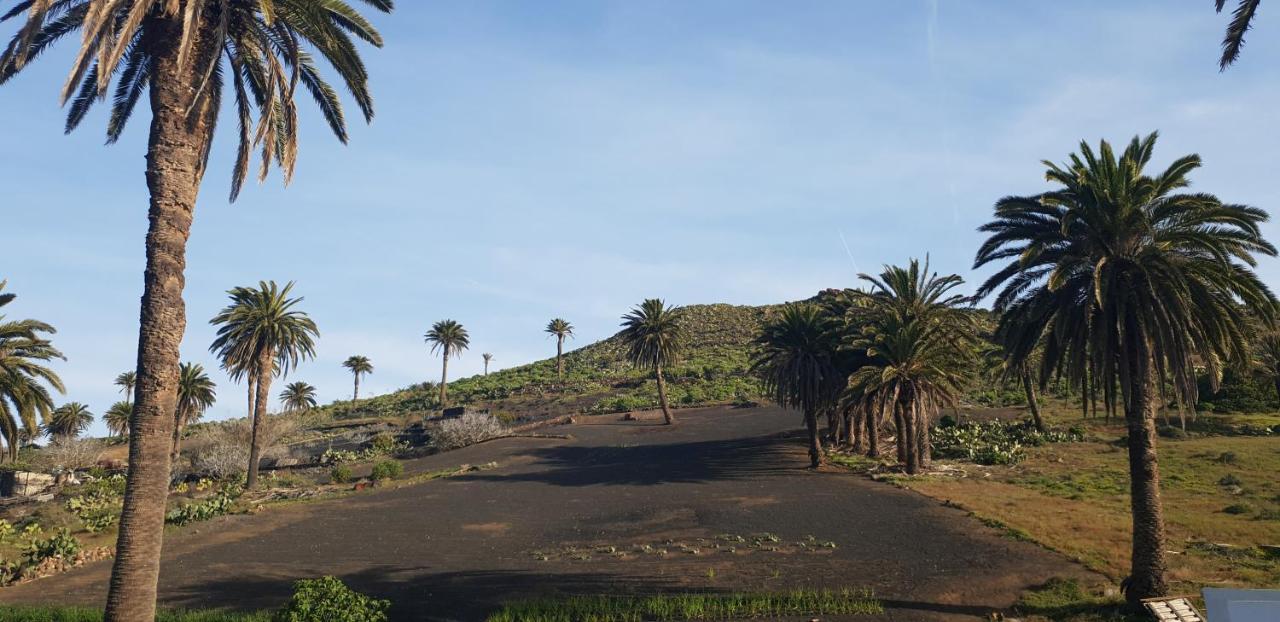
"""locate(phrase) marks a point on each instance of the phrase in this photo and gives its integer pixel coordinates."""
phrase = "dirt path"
(575, 515)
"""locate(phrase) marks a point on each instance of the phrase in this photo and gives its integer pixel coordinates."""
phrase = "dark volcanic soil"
(575, 516)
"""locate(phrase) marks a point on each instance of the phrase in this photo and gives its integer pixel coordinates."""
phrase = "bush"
(222, 450)
(387, 469)
(1171, 432)
(68, 454)
(329, 600)
(217, 505)
(1238, 508)
(994, 442)
(340, 474)
(62, 545)
(469, 429)
(1230, 480)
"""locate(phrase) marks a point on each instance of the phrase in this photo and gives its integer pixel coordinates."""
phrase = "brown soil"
(575, 515)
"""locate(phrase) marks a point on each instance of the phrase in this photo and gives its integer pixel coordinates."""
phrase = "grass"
(693, 606)
(1065, 600)
(1221, 500)
(79, 614)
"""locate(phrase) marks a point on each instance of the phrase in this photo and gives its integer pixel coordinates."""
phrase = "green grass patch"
(1065, 600)
(81, 614)
(694, 606)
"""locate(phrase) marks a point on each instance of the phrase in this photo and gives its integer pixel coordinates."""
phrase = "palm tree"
(450, 339)
(1241, 20)
(117, 418)
(1131, 282)
(1267, 363)
(262, 335)
(487, 357)
(654, 338)
(917, 337)
(68, 421)
(298, 397)
(196, 394)
(126, 381)
(25, 380)
(358, 365)
(186, 53)
(560, 328)
(795, 360)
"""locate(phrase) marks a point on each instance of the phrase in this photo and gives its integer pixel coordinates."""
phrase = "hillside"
(598, 379)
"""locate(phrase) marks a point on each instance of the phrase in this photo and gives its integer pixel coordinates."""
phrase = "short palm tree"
(450, 339)
(487, 357)
(298, 397)
(560, 328)
(917, 336)
(196, 394)
(1127, 279)
(117, 418)
(795, 360)
(654, 337)
(25, 378)
(126, 381)
(68, 421)
(260, 335)
(1241, 20)
(358, 366)
(188, 53)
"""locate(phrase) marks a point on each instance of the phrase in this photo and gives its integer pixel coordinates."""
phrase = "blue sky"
(539, 159)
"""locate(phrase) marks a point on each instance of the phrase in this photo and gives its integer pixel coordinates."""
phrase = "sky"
(532, 160)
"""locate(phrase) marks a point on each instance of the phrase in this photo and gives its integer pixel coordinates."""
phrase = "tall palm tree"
(487, 357)
(196, 394)
(450, 339)
(654, 338)
(25, 379)
(561, 328)
(1267, 359)
(1132, 282)
(68, 421)
(126, 381)
(262, 335)
(1241, 21)
(117, 418)
(186, 52)
(298, 397)
(358, 365)
(917, 336)
(795, 360)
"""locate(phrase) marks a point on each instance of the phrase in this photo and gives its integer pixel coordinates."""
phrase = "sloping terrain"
(598, 379)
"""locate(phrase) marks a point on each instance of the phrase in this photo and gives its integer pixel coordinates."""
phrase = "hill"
(597, 378)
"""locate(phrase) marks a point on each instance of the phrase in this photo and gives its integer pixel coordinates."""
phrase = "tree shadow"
(648, 465)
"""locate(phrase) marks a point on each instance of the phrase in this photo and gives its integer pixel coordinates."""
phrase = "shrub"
(1171, 432)
(1230, 480)
(387, 469)
(994, 442)
(1238, 508)
(329, 600)
(469, 429)
(222, 450)
(385, 444)
(340, 474)
(217, 505)
(62, 545)
(68, 454)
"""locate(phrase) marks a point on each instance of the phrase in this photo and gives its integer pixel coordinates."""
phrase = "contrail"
(848, 252)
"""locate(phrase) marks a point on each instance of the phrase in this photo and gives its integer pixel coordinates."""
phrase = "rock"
(24, 483)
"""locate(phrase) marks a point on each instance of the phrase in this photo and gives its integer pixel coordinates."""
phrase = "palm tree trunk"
(815, 442)
(924, 445)
(559, 361)
(853, 423)
(355, 395)
(873, 433)
(444, 381)
(177, 441)
(1147, 576)
(662, 396)
(909, 440)
(265, 370)
(1277, 382)
(176, 153)
(900, 427)
(1032, 403)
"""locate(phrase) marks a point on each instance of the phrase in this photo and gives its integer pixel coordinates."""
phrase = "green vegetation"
(387, 469)
(693, 606)
(25, 381)
(298, 397)
(995, 442)
(328, 600)
(68, 421)
(1065, 600)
